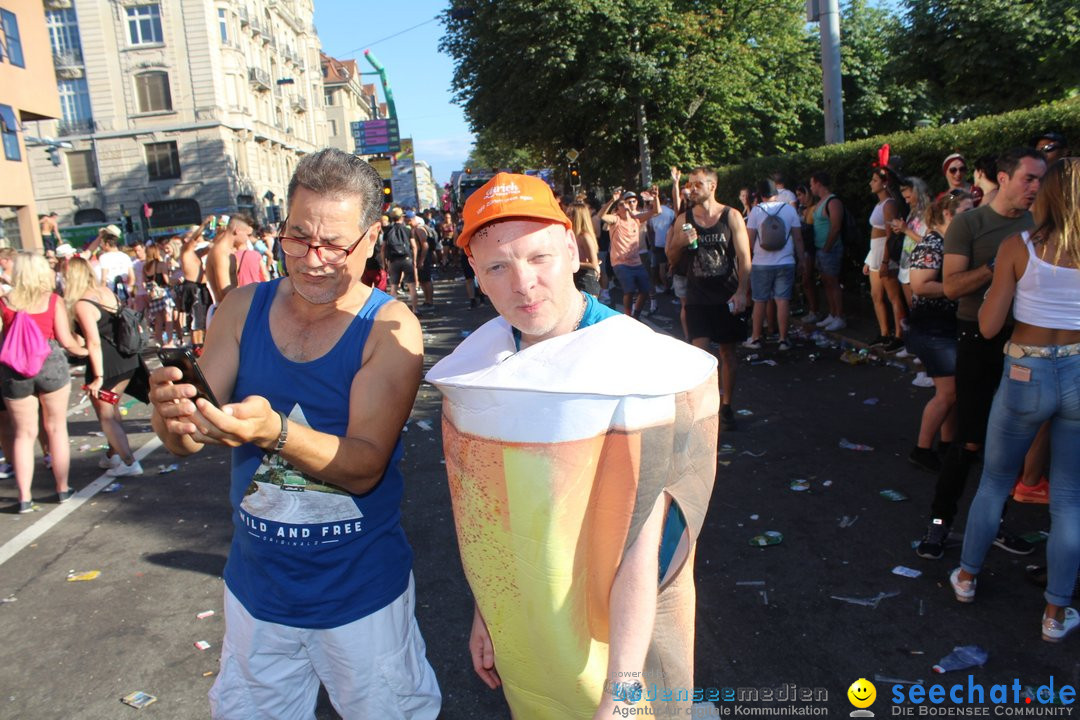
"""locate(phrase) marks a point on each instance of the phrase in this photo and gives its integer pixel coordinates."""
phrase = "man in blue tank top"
(319, 373)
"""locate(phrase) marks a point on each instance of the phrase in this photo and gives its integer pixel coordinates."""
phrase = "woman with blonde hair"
(1036, 274)
(32, 285)
(94, 306)
(587, 278)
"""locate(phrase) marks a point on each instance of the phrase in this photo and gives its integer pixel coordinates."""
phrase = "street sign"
(374, 137)
(382, 166)
(572, 155)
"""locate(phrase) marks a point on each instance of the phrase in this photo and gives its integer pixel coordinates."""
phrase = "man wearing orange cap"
(575, 484)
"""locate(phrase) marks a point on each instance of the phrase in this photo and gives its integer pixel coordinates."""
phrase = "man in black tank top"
(717, 274)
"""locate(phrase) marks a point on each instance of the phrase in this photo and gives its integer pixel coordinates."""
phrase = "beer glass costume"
(555, 456)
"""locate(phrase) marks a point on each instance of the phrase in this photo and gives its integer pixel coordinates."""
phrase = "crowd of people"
(980, 282)
(74, 297)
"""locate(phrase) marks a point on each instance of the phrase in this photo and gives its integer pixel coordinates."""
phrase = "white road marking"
(53, 517)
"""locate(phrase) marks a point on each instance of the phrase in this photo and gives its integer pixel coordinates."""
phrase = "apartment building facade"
(28, 94)
(178, 109)
(346, 100)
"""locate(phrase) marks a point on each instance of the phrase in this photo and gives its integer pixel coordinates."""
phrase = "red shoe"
(1037, 494)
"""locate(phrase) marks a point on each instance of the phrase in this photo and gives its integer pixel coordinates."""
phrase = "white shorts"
(375, 667)
(877, 251)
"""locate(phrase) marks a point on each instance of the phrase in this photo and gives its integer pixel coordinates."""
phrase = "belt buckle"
(1015, 351)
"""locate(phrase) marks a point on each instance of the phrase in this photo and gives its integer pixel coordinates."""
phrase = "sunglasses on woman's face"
(958, 169)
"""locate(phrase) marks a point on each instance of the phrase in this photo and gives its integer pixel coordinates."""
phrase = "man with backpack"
(829, 222)
(775, 236)
(426, 246)
(399, 257)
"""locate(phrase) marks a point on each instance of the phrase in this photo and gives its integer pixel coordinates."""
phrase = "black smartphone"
(184, 359)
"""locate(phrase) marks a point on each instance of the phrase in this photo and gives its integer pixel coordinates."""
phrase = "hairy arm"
(677, 242)
(742, 258)
(958, 280)
(835, 213)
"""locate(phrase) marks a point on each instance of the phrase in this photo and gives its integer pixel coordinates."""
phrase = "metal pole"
(643, 145)
(830, 70)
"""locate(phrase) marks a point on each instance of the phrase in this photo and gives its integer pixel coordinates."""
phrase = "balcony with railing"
(69, 57)
(299, 103)
(242, 13)
(74, 127)
(259, 78)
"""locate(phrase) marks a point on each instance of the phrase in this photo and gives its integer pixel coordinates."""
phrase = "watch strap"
(283, 436)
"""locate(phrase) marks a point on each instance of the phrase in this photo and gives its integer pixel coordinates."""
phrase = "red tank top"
(44, 320)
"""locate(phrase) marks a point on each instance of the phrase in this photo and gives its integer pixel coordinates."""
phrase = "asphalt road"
(766, 618)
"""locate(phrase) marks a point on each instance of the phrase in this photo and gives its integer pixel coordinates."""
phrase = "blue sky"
(419, 74)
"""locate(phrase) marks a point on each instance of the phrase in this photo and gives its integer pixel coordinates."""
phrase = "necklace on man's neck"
(581, 315)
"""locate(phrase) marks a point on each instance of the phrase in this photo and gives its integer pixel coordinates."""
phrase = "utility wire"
(390, 37)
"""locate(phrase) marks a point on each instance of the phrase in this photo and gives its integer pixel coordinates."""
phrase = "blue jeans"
(1051, 393)
(771, 281)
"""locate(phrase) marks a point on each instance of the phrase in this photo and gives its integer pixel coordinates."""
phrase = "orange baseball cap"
(507, 196)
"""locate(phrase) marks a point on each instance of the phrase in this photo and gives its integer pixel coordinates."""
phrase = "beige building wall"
(346, 100)
(28, 93)
(246, 104)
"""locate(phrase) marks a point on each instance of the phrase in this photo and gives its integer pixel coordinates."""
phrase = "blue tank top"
(307, 554)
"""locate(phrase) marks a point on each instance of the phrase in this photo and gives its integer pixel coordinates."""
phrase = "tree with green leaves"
(991, 56)
(718, 81)
(880, 94)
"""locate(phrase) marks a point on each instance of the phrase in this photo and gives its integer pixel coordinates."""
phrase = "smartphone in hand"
(184, 359)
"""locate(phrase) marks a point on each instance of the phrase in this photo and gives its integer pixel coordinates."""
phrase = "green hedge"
(921, 151)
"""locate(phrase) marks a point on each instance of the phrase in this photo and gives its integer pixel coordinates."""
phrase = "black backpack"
(849, 229)
(397, 241)
(773, 232)
(129, 336)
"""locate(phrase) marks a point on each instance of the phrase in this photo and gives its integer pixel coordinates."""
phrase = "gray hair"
(333, 173)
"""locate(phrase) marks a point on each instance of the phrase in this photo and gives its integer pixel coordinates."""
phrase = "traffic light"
(387, 192)
(54, 154)
(575, 174)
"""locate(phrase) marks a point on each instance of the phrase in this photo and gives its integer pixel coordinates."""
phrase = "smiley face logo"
(862, 693)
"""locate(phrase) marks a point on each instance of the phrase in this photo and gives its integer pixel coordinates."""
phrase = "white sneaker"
(825, 321)
(652, 307)
(810, 317)
(124, 470)
(605, 296)
(903, 353)
(108, 462)
(836, 324)
(923, 380)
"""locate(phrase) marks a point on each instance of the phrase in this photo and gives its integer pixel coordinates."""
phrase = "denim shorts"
(54, 374)
(829, 263)
(937, 352)
(633, 278)
(771, 282)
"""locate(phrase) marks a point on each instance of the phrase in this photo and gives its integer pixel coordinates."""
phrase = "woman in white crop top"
(882, 269)
(1041, 382)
